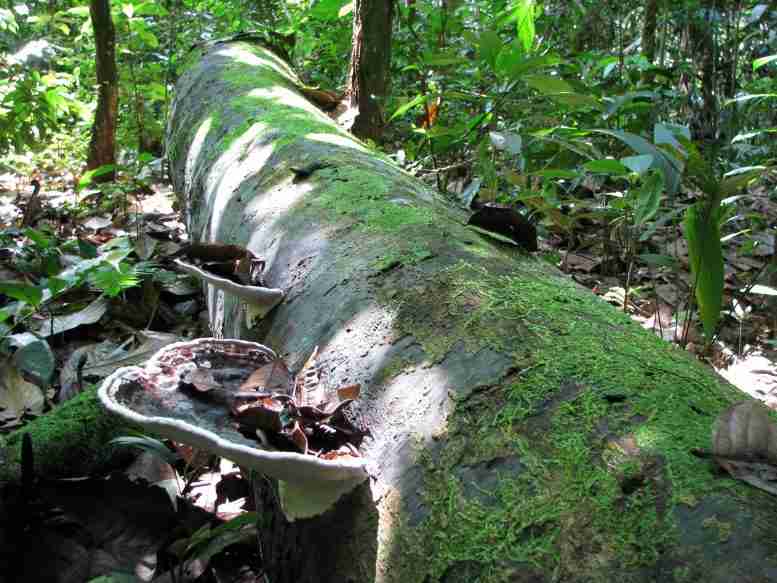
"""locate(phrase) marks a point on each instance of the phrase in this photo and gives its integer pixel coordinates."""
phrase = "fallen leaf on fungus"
(273, 376)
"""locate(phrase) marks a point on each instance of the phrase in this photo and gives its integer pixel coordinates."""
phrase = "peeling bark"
(521, 428)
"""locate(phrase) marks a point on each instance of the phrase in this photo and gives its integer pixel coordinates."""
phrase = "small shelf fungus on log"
(236, 399)
(234, 270)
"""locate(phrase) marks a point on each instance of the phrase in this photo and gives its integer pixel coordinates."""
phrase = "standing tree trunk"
(521, 428)
(102, 147)
(704, 123)
(370, 60)
(649, 30)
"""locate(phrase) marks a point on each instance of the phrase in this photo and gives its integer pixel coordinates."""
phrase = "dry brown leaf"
(273, 376)
(349, 392)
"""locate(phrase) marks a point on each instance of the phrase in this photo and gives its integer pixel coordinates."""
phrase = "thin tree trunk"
(704, 126)
(370, 60)
(102, 147)
(649, 30)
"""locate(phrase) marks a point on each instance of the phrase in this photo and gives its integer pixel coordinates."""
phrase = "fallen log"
(521, 428)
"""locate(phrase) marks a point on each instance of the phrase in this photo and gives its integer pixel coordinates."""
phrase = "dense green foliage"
(583, 114)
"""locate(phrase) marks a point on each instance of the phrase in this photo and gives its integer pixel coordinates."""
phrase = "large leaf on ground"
(702, 231)
(17, 396)
(91, 314)
(33, 356)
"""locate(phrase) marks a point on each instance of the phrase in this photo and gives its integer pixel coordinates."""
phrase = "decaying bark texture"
(102, 147)
(521, 428)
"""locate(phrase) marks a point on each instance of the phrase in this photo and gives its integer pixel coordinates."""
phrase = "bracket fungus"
(159, 399)
(235, 270)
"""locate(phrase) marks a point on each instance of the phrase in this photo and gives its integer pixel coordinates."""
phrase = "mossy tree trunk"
(522, 429)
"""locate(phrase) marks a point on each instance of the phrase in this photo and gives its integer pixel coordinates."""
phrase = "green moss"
(604, 493)
(72, 438)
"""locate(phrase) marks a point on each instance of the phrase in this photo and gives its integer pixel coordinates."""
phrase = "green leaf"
(524, 21)
(649, 198)
(702, 231)
(547, 84)
(56, 285)
(89, 176)
(39, 238)
(607, 166)
(490, 46)
(758, 63)
(638, 164)
(669, 165)
(513, 65)
(556, 173)
(128, 10)
(327, 9)
(444, 59)
(22, 292)
(403, 109)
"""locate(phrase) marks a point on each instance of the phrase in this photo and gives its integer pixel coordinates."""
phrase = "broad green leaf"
(638, 164)
(669, 165)
(758, 63)
(403, 109)
(444, 59)
(524, 22)
(150, 9)
(490, 46)
(557, 173)
(702, 231)
(56, 285)
(665, 134)
(547, 84)
(607, 166)
(649, 198)
(576, 100)
(327, 9)
(87, 178)
(128, 10)
(23, 292)
(513, 65)
(38, 238)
